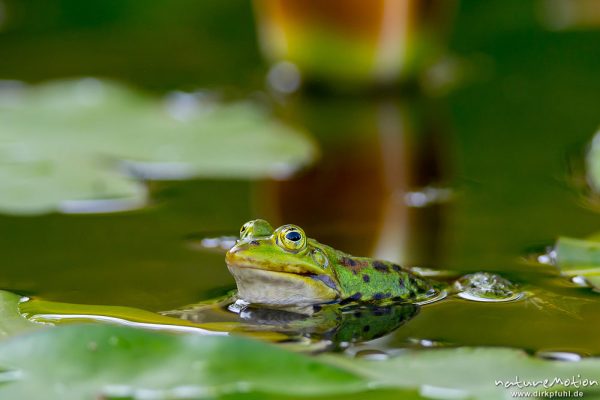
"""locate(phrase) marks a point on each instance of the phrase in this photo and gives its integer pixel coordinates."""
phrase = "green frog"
(282, 268)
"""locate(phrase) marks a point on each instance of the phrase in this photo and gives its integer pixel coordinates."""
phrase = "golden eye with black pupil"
(291, 238)
(245, 231)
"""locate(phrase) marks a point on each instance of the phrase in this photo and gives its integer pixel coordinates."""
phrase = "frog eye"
(256, 228)
(245, 230)
(291, 238)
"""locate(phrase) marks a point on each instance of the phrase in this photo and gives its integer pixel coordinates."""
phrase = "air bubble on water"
(427, 196)
(284, 77)
(559, 355)
(474, 297)
(548, 258)
(372, 355)
(580, 281)
(427, 343)
(222, 243)
(486, 287)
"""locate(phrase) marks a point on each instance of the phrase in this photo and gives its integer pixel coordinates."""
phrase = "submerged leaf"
(84, 145)
(51, 312)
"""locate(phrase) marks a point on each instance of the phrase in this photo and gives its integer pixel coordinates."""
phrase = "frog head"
(281, 267)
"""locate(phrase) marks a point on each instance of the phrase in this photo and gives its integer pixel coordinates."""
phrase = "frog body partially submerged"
(282, 267)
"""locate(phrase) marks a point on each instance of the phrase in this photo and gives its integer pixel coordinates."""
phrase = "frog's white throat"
(259, 286)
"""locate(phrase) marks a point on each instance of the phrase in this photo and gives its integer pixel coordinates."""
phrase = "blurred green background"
(506, 140)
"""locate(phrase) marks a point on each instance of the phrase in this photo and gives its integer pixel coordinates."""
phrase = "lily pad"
(56, 313)
(11, 320)
(87, 145)
(100, 361)
(103, 361)
(476, 373)
(593, 163)
(579, 258)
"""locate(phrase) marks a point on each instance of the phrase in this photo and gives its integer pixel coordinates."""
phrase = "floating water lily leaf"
(51, 312)
(100, 361)
(476, 373)
(593, 163)
(578, 257)
(11, 320)
(84, 145)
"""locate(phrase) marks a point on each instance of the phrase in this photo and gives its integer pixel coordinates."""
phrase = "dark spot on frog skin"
(354, 265)
(366, 328)
(357, 314)
(381, 296)
(396, 267)
(366, 278)
(317, 308)
(254, 243)
(380, 266)
(401, 283)
(348, 262)
(355, 297)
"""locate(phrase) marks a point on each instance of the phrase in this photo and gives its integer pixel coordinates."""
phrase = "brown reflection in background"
(371, 191)
(354, 42)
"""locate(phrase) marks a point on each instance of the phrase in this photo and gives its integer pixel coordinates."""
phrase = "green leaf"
(91, 361)
(11, 320)
(84, 145)
(578, 257)
(470, 373)
(593, 163)
(103, 361)
(55, 313)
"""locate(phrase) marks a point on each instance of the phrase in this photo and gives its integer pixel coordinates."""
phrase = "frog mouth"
(264, 286)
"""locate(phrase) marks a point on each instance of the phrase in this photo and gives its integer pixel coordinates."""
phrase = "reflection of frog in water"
(293, 284)
(348, 324)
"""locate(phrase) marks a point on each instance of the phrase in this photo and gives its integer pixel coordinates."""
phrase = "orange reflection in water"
(378, 189)
(353, 42)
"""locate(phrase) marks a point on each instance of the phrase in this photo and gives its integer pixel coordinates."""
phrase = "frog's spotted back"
(367, 280)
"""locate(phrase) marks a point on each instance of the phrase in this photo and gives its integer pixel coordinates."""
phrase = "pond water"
(475, 180)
